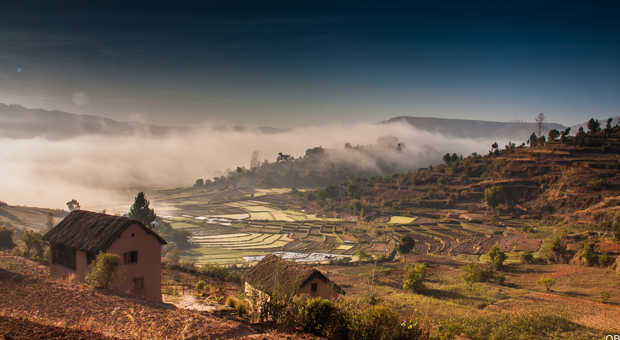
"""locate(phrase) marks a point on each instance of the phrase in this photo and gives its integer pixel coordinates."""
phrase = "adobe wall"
(60, 271)
(134, 238)
(324, 290)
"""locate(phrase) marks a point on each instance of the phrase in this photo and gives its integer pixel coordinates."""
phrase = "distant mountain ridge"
(19, 122)
(464, 128)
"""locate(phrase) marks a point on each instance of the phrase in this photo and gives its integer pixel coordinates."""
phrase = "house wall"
(324, 290)
(134, 238)
(60, 271)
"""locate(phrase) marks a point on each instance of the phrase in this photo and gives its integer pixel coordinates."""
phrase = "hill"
(28, 218)
(20, 122)
(33, 303)
(576, 179)
(465, 128)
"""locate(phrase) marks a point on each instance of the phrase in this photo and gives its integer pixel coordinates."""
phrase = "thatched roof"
(276, 275)
(91, 232)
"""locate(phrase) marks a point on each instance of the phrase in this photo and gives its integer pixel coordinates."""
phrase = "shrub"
(319, 316)
(492, 197)
(103, 270)
(546, 282)
(589, 254)
(220, 273)
(239, 304)
(472, 272)
(203, 288)
(414, 277)
(6, 238)
(497, 258)
(371, 322)
(34, 245)
(604, 260)
(406, 244)
(527, 258)
(604, 297)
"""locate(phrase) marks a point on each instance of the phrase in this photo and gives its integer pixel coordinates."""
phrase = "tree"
(406, 244)
(533, 140)
(553, 135)
(589, 254)
(540, 121)
(414, 277)
(546, 282)
(497, 258)
(494, 146)
(564, 134)
(447, 158)
(491, 197)
(140, 210)
(34, 244)
(594, 126)
(473, 272)
(49, 221)
(73, 205)
(103, 270)
(6, 238)
(282, 157)
(199, 182)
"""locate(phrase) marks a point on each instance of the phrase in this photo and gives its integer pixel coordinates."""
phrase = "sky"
(294, 63)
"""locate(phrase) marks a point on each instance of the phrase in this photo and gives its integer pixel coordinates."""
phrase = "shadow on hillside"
(6, 275)
(136, 299)
(446, 294)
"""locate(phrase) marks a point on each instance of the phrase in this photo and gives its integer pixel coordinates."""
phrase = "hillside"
(28, 218)
(576, 179)
(465, 128)
(33, 303)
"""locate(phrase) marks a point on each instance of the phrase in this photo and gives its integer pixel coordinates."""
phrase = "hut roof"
(92, 232)
(276, 275)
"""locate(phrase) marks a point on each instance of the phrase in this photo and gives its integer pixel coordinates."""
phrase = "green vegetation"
(497, 258)
(546, 282)
(6, 238)
(103, 270)
(512, 327)
(35, 247)
(141, 211)
(414, 277)
(406, 244)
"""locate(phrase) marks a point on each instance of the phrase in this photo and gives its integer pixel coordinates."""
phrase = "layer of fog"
(100, 171)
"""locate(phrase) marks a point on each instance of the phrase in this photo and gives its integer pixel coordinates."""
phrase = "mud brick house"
(276, 276)
(79, 237)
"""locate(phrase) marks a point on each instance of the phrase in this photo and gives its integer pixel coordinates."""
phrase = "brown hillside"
(34, 304)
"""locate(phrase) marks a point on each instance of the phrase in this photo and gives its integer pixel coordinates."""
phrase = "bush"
(527, 258)
(604, 297)
(414, 277)
(497, 258)
(406, 244)
(492, 197)
(589, 254)
(6, 238)
(220, 273)
(604, 260)
(34, 245)
(103, 270)
(239, 304)
(546, 282)
(318, 316)
(472, 272)
(203, 288)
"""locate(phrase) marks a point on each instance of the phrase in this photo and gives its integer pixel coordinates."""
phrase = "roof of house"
(275, 274)
(92, 232)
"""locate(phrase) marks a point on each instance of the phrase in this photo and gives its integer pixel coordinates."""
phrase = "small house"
(276, 276)
(79, 237)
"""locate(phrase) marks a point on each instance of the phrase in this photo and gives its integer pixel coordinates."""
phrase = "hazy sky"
(298, 62)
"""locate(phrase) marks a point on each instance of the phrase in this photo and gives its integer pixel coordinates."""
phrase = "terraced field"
(246, 226)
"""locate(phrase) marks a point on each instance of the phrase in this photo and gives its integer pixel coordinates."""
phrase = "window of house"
(138, 283)
(130, 257)
(89, 258)
(313, 287)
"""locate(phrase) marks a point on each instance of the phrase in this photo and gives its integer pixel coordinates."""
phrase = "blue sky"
(290, 63)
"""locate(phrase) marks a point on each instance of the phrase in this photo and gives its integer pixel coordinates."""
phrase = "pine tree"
(140, 210)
